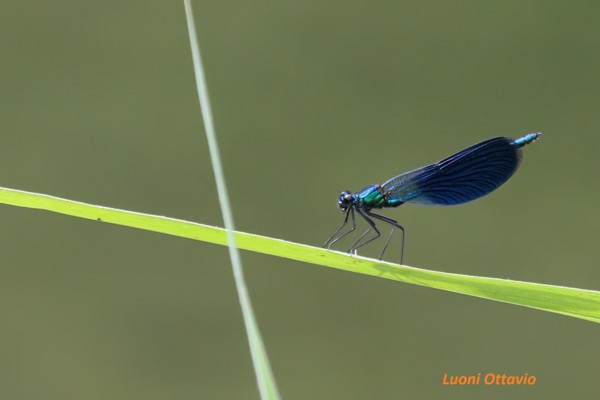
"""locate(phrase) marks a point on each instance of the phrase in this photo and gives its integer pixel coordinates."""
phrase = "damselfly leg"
(366, 214)
(394, 226)
(334, 238)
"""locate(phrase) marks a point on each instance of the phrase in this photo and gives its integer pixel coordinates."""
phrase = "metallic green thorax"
(373, 197)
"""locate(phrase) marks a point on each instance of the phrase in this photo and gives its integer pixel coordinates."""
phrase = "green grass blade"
(264, 375)
(578, 303)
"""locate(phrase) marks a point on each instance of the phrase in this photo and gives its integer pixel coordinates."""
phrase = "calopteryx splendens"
(465, 176)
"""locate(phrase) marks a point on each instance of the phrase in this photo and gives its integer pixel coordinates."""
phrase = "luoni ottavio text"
(489, 379)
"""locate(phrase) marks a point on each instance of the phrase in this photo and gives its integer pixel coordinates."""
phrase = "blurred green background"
(98, 104)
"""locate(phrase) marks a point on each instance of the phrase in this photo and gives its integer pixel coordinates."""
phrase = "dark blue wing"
(462, 177)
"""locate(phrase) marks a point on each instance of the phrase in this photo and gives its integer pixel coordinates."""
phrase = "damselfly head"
(345, 201)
